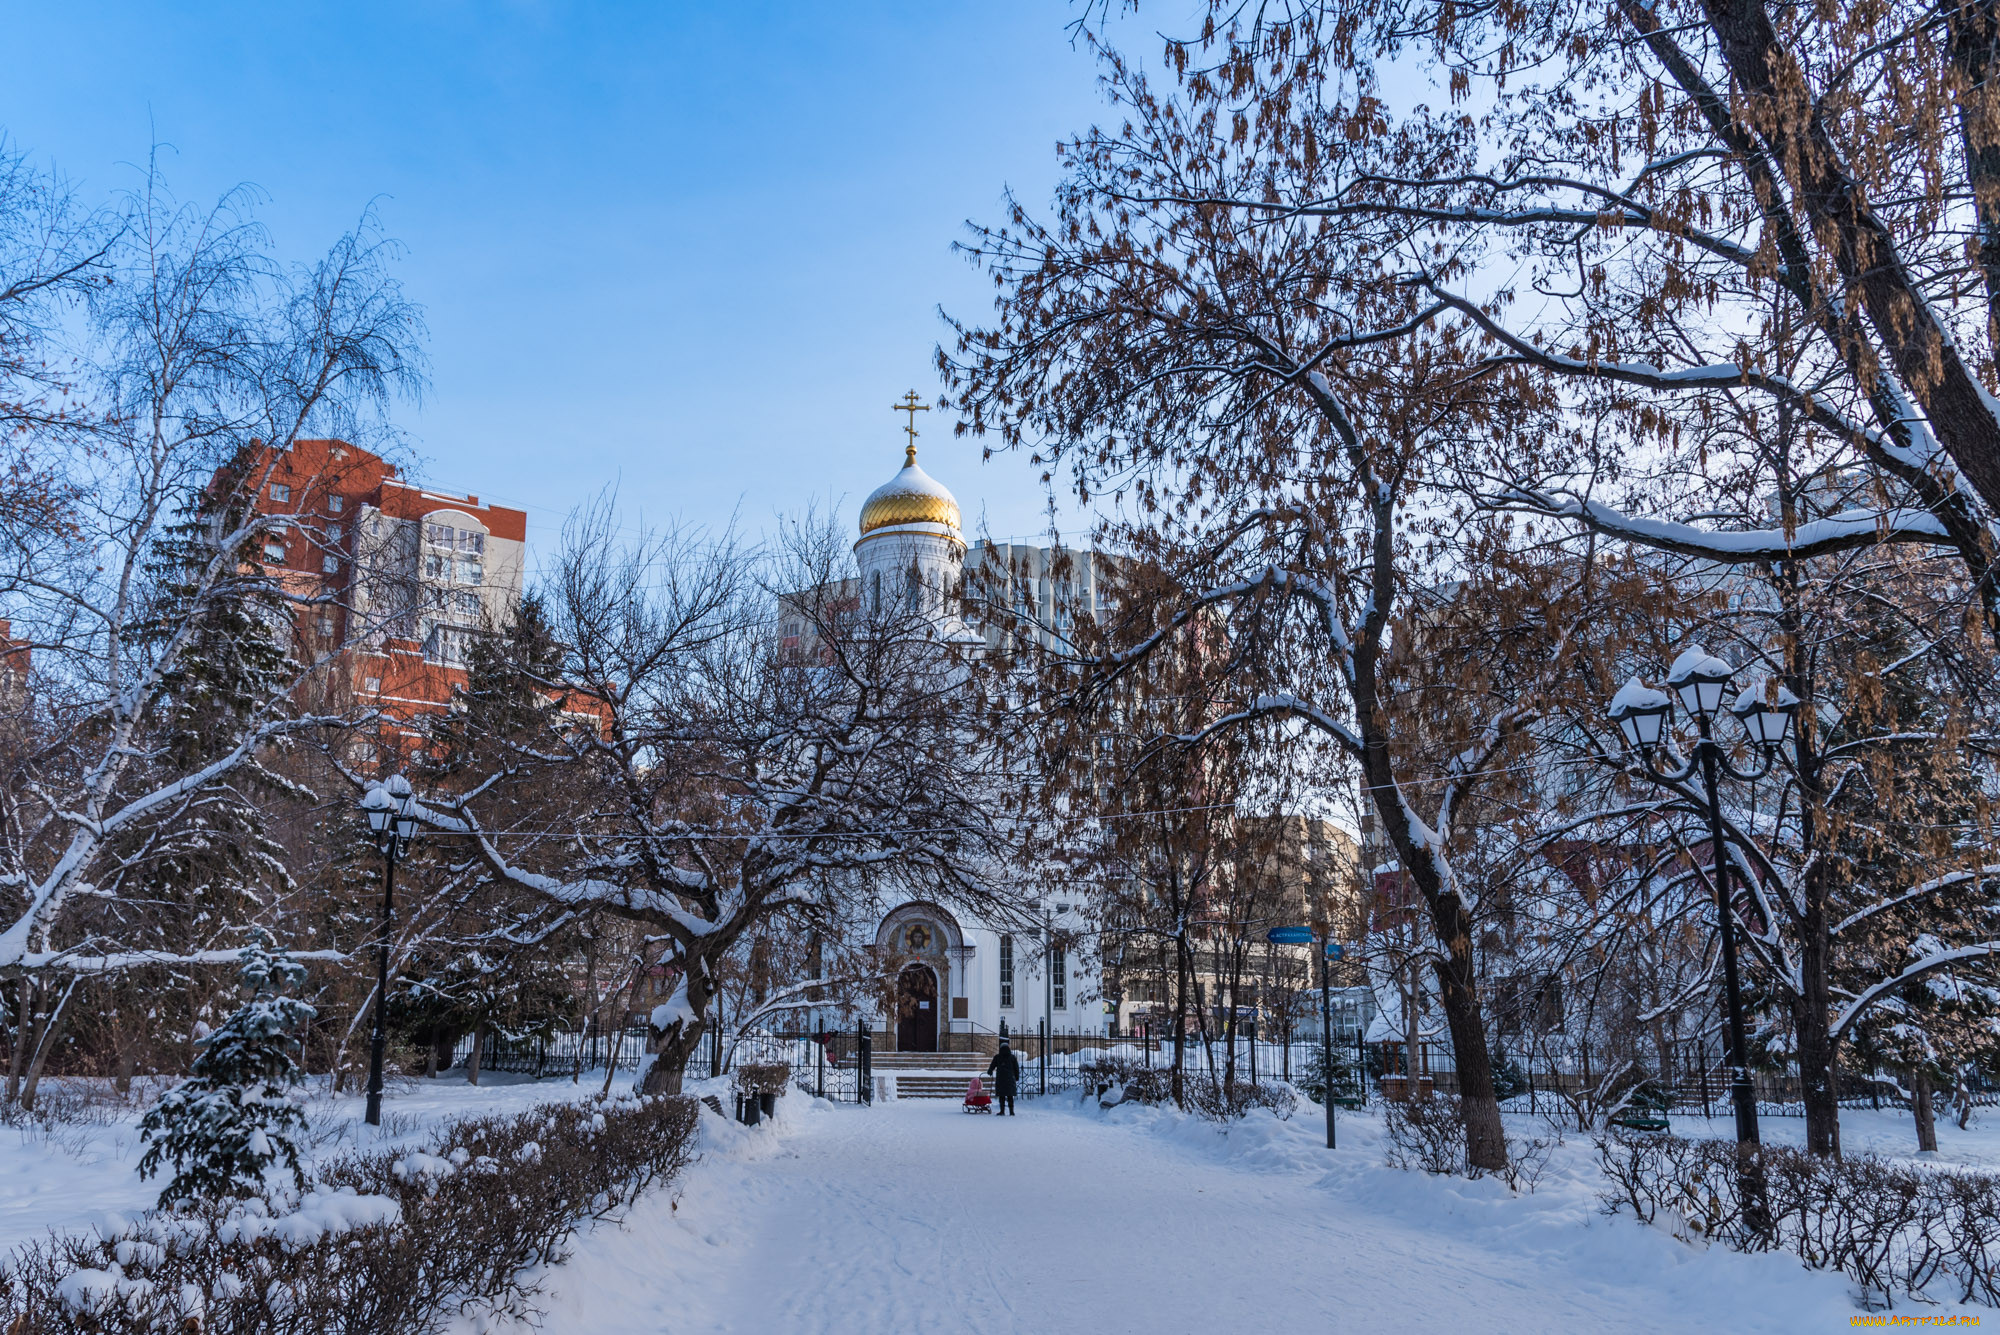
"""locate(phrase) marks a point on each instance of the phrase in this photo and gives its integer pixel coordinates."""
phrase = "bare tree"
(1282, 423)
(1679, 212)
(716, 785)
(164, 676)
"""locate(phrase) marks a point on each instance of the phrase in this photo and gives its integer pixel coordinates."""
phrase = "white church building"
(961, 983)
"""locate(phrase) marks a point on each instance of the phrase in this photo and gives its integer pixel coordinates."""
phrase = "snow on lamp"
(1765, 708)
(405, 798)
(379, 809)
(1698, 677)
(1640, 713)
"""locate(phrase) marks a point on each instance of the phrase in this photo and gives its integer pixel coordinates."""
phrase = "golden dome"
(911, 497)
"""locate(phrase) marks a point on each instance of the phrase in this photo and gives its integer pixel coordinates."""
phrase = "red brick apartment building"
(16, 657)
(403, 576)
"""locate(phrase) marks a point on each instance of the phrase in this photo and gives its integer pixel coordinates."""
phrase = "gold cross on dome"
(909, 404)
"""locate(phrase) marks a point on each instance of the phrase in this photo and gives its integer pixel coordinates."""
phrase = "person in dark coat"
(1005, 1068)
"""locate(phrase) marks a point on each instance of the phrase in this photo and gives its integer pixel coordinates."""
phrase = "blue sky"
(694, 249)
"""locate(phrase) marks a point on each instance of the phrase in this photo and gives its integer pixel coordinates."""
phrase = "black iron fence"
(837, 1065)
(565, 1053)
(1055, 1060)
(828, 1069)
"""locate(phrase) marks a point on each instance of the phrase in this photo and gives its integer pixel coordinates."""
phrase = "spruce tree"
(234, 1117)
(207, 863)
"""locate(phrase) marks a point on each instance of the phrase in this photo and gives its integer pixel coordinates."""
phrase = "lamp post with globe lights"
(1765, 709)
(391, 808)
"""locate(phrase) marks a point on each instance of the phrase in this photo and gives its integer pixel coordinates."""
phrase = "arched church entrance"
(916, 1009)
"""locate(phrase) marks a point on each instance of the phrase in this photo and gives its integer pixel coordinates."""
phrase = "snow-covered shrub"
(763, 1077)
(1429, 1134)
(393, 1243)
(1205, 1094)
(1890, 1228)
(1426, 1133)
(1226, 1101)
(235, 1116)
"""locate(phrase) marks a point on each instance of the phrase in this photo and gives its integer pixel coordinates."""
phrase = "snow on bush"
(389, 1243)
(1926, 1233)
(1207, 1095)
(1429, 1134)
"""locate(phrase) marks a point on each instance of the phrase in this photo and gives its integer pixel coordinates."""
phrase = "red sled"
(977, 1100)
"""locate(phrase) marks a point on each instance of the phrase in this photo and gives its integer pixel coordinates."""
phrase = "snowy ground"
(912, 1216)
(70, 1175)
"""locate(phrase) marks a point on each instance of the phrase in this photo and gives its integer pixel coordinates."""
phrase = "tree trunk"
(127, 1063)
(1180, 1021)
(1458, 993)
(17, 1060)
(1231, 1022)
(472, 1062)
(674, 1049)
(1925, 1113)
(1451, 928)
(49, 1034)
(1818, 1087)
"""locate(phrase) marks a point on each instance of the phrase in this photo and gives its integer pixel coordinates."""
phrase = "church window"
(1007, 972)
(1059, 978)
(875, 592)
(913, 590)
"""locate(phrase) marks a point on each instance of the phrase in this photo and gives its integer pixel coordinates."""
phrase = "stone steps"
(928, 1061)
(913, 1086)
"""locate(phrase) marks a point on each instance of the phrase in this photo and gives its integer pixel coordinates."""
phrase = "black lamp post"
(391, 808)
(1765, 709)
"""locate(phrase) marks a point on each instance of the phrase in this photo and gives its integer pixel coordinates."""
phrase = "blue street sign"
(1289, 936)
(1334, 950)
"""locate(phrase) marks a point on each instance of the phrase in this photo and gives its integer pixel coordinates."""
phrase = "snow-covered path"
(913, 1217)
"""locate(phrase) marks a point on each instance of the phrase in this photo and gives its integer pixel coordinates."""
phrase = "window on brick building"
(280, 492)
(335, 504)
(371, 684)
(274, 550)
(330, 564)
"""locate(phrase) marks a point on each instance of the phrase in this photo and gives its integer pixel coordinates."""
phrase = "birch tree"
(198, 348)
